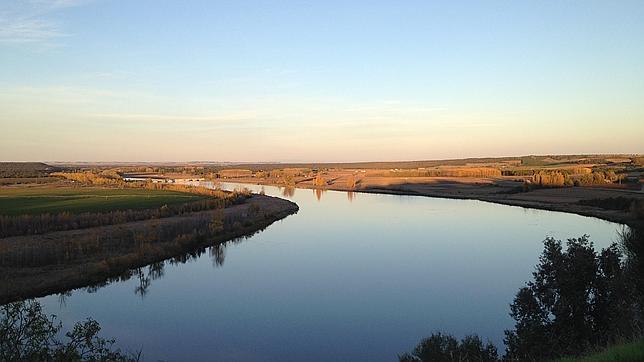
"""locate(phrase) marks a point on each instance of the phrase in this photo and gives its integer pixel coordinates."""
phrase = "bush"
(27, 334)
(444, 347)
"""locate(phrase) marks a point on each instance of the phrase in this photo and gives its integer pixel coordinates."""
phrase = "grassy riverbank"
(38, 265)
(629, 352)
(90, 227)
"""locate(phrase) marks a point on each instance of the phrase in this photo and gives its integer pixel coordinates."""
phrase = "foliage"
(444, 347)
(560, 178)
(24, 169)
(549, 179)
(628, 352)
(119, 244)
(351, 182)
(546, 170)
(578, 299)
(27, 334)
(319, 180)
(446, 172)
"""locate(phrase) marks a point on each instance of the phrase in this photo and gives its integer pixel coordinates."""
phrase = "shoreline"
(615, 216)
(19, 283)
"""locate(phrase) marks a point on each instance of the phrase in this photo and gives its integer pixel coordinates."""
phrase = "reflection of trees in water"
(350, 196)
(144, 283)
(154, 271)
(218, 254)
(318, 193)
(288, 191)
(62, 298)
(108, 256)
(146, 275)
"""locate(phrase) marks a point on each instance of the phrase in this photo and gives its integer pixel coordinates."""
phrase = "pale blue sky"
(318, 81)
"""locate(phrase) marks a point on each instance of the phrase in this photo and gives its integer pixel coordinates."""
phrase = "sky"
(313, 81)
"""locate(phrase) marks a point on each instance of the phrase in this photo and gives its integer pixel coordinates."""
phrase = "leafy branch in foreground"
(27, 334)
(579, 299)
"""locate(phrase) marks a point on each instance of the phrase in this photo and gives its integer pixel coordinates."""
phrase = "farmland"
(54, 199)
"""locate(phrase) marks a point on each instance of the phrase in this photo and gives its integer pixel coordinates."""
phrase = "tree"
(444, 347)
(27, 334)
(216, 226)
(578, 300)
(319, 180)
(351, 182)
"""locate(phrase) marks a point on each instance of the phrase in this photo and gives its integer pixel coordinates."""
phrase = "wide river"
(350, 277)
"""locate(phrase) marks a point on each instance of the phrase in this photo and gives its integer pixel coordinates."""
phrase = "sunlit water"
(350, 277)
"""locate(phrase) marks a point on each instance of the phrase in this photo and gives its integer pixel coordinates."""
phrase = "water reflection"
(154, 272)
(218, 255)
(350, 196)
(144, 283)
(288, 191)
(381, 273)
(62, 298)
(318, 193)
(144, 276)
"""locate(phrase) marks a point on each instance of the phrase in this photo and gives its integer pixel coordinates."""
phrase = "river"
(349, 277)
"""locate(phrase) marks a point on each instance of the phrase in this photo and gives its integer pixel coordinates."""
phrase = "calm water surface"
(350, 277)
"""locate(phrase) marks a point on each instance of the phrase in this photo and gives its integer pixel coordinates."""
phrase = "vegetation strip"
(39, 265)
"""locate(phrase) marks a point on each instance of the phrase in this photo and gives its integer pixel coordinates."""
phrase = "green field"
(630, 352)
(37, 200)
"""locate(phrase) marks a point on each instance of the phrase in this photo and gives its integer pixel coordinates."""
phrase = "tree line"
(25, 169)
(445, 172)
(559, 179)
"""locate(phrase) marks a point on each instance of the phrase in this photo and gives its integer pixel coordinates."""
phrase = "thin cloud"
(231, 119)
(28, 31)
(31, 21)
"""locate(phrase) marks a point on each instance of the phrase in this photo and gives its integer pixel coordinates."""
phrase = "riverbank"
(628, 352)
(30, 267)
(495, 190)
